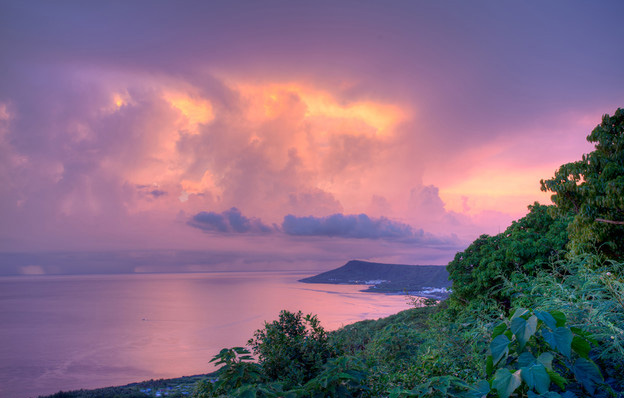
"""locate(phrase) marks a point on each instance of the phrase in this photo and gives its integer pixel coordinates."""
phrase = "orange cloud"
(195, 110)
(271, 100)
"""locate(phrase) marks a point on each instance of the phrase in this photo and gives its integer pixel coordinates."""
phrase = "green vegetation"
(535, 311)
(592, 189)
(528, 246)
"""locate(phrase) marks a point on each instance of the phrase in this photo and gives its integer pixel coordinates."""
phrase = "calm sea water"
(72, 332)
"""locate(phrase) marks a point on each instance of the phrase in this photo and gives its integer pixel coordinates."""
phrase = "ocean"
(89, 331)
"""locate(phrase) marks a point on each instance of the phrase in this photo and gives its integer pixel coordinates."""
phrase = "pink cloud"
(115, 131)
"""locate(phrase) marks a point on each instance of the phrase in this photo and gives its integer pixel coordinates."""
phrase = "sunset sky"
(274, 134)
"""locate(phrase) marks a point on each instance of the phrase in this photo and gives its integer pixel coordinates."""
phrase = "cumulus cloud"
(98, 130)
(229, 221)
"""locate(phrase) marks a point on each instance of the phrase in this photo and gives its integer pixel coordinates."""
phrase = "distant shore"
(429, 281)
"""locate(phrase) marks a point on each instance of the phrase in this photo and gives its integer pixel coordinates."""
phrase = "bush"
(292, 349)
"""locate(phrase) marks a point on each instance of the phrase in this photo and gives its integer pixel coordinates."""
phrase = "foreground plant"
(238, 370)
(292, 349)
(534, 354)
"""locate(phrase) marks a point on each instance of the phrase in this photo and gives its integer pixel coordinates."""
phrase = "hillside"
(429, 281)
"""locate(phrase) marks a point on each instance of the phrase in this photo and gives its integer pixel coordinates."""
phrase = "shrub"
(292, 349)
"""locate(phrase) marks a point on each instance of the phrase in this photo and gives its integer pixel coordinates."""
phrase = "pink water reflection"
(70, 332)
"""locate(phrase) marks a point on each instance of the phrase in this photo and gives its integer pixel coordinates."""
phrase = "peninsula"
(430, 281)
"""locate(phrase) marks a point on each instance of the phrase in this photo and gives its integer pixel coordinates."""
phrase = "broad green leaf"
(588, 336)
(519, 312)
(559, 317)
(517, 327)
(556, 378)
(549, 337)
(506, 382)
(479, 390)
(581, 346)
(499, 329)
(563, 340)
(523, 329)
(499, 348)
(526, 359)
(536, 377)
(546, 358)
(587, 373)
(489, 365)
(546, 318)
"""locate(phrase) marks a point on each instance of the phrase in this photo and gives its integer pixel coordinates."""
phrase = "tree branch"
(609, 221)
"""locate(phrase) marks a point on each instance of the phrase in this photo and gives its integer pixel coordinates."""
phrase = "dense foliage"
(592, 189)
(292, 349)
(526, 247)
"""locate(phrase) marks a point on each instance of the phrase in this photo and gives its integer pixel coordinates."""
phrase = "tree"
(292, 349)
(527, 246)
(593, 189)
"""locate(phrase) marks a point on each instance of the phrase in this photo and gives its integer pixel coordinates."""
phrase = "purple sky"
(288, 134)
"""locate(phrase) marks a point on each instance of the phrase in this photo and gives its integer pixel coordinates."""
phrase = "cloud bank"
(345, 226)
(229, 221)
(358, 226)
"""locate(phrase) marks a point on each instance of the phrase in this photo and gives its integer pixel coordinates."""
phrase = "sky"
(151, 136)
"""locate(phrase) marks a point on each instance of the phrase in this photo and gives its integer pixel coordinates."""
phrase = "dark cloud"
(148, 190)
(358, 226)
(157, 192)
(229, 221)
(348, 226)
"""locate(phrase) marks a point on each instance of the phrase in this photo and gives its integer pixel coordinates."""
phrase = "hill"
(429, 281)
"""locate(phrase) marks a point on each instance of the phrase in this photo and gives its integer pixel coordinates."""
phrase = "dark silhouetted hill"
(421, 280)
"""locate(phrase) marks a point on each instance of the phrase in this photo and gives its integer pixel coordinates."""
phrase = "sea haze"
(88, 331)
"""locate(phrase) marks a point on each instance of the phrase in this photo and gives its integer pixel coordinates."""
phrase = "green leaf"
(588, 336)
(519, 313)
(587, 373)
(499, 329)
(559, 316)
(499, 348)
(536, 377)
(523, 329)
(546, 358)
(581, 346)
(548, 319)
(479, 390)
(526, 359)
(489, 365)
(563, 340)
(556, 378)
(506, 382)
(549, 337)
